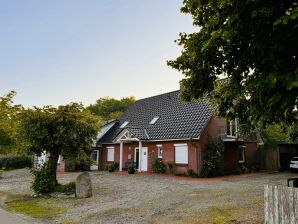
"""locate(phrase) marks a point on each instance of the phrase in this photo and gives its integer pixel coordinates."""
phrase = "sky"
(54, 52)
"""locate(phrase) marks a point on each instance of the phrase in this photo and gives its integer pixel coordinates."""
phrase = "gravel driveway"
(144, 198)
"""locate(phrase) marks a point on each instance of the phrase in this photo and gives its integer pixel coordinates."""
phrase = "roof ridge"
(158, 95)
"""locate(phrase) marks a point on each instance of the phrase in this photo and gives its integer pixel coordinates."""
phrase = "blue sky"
(60, 51)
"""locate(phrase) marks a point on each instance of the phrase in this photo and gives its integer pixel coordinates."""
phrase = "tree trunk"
(52, 165)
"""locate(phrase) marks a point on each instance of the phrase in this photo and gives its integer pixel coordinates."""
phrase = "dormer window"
(124, 124)
(153, 121)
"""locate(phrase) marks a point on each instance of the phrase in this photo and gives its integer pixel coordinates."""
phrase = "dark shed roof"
(177, 120)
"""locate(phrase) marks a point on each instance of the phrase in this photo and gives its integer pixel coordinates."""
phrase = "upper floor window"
(124, 124)
(153, 121)
(232, 128)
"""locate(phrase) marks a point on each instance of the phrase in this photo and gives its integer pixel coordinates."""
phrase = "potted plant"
(131, 168)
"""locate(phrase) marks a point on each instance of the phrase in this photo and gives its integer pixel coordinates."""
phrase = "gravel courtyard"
(144, 198)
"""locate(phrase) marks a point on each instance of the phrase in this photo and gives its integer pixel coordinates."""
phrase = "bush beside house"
(213, 164)
(159, 166)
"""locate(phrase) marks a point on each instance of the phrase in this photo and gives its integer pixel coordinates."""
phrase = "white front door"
(144, 159)
(94, 156)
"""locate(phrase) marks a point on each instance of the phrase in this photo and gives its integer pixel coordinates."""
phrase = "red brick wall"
(215, 128)
(168, 153)
(231, 155)
(251, 152)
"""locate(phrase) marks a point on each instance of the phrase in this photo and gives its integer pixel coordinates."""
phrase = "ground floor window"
(242, 154)
(181, 154)
(111, 152)
(159, 151)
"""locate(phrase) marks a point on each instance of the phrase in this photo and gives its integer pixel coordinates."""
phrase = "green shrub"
(1, 172)
(116, 166)
(66, 188)
(192, 173)
(15, 162)
(111, 167)
(131, 168)
(243, 168)
(159, 166)
(83, 165)
(44, 180)
(213, 163)
(81, 162)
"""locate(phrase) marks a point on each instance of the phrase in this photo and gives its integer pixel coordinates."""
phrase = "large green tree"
(253, 43)
(109, 108)
(9, 124)
(66, 130)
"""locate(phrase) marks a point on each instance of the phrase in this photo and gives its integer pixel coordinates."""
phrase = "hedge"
(15, 162)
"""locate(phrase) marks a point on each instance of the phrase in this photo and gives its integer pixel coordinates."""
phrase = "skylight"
(124, 124)
(154, 120)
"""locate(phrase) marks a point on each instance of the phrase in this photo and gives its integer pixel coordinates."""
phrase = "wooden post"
(281, 204)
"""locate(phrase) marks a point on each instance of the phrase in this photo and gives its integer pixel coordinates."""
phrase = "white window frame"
(242, 148)
(230, 123)
(125, 123)
(153, 121)
(184, 160)
(159, 151)
(110, 157)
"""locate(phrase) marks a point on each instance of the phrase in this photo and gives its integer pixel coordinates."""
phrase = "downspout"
(197, 153)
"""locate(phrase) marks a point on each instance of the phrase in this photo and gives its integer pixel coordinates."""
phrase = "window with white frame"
(159, 151)
(124, 124)
(181, 154)
(232, 128)
(242, 154)
(153, 121)
(111, 152)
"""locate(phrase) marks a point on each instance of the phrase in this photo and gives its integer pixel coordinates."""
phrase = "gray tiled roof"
(177, 120)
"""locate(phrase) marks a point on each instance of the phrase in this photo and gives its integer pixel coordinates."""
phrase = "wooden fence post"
(281, 205)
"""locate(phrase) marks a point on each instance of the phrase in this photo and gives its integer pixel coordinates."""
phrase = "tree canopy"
(109, 108)
(9, 124)
(253, 44)
(277, 133)
(66, 130)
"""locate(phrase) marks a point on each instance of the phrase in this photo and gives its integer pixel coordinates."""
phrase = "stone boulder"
(83, 186)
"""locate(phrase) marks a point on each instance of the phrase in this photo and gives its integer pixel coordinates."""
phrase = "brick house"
(162, 127)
